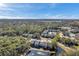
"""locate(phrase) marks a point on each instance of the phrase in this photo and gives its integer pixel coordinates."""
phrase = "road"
(65, 48)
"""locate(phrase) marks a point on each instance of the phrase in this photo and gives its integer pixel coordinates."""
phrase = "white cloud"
(58, 16)
(41, 17)
(4, 6)
(10, 17)
(17, 17)
(52, 5)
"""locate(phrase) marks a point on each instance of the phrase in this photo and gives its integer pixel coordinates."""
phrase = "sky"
(39, 10)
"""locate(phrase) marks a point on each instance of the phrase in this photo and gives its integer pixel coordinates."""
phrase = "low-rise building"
(41, 44)
(77, 36)
(69, 35)
(50, 33)
(37, 52)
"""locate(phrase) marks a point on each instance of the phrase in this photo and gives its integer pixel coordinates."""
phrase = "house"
(72, 35)
(77, 36)
(75, 30)
(41, 44)
(37, 52)
(49, 33)
(69, 35)
(65, 28)
(66, 34)
(34, 43)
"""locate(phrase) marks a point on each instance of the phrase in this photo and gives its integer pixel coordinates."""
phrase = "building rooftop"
(37, 52)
